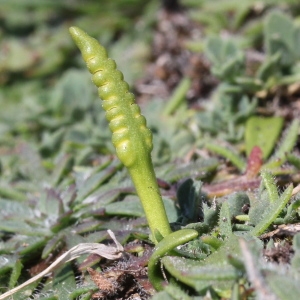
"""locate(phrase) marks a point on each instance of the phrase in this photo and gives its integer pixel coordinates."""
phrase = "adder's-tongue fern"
(130, 135)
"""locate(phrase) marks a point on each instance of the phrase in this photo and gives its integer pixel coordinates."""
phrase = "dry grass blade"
(108, 252)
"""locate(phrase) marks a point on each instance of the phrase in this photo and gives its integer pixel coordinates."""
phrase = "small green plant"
(130, 136)
(133, 143)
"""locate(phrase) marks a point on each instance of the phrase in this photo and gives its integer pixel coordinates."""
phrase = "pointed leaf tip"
(74, 31)
(76, 34)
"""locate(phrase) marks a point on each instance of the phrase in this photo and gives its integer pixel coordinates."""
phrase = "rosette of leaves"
(228, 256)
(38, 224)
(267, 279)
(235, 97)
(280, 65)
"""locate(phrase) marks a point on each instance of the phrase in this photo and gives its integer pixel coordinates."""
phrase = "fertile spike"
(130, 135)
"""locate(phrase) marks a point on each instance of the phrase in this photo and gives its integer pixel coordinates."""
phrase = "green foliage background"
(60, 183)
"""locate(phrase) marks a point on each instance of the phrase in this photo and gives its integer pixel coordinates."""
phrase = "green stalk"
(130, 136)
(165, 247)
(143, 177)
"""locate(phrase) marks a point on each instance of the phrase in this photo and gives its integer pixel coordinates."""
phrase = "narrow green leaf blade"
(273, 212)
